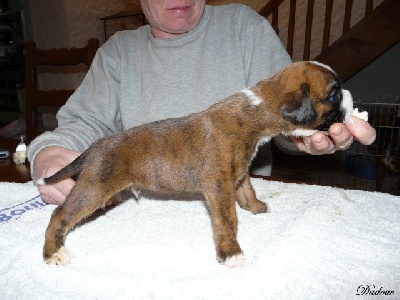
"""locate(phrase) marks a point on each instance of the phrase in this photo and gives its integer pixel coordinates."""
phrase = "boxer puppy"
(206, 153)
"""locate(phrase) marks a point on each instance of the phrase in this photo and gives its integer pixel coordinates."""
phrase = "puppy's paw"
(235, 261)
(259, 207)
(61, 258)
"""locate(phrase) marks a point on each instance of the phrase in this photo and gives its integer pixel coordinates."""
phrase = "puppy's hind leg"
(80, 203)
(246, 197)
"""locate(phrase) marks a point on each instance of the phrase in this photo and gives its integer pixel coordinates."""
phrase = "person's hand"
(47, 162)
(340, 137)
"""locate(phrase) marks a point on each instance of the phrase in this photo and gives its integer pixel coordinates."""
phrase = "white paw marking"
(235, 261)
(61, 258)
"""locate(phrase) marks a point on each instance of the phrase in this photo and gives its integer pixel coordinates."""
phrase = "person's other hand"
(340, 137)
(47, 162)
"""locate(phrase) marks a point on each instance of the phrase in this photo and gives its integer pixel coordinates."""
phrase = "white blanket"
(317, 242)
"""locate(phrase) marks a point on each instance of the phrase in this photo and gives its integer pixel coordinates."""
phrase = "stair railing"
(271, 11)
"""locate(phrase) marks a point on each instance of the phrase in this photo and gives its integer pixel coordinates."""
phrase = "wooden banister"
(327, 24)
(365, 41)
(269, 7)
(272, 9)
(369, 6)
(309, 21)
(347, 15)
(292, 22)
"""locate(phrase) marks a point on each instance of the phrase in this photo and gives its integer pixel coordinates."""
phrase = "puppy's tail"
(71, 170)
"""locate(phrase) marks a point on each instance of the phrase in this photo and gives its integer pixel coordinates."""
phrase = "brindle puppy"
(206, 153)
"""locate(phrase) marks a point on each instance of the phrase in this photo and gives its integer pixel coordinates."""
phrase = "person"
(188, 57)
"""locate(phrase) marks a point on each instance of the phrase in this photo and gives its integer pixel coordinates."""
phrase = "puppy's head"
(313, 98)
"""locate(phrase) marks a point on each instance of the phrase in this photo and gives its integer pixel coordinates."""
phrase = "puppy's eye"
(335, 96)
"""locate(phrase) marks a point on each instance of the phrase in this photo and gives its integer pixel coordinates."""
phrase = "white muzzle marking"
(347, 104)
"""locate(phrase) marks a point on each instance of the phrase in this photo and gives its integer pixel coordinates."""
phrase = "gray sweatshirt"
(136, 78)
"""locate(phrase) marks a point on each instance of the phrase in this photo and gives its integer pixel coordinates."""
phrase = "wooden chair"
(35, 97)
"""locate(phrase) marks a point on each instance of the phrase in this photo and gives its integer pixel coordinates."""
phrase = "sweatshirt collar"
(184, 38)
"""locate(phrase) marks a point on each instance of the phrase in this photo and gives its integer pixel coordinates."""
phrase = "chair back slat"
(54, 98)
(35, 97)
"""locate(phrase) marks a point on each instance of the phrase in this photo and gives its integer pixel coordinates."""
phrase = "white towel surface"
(316, 243)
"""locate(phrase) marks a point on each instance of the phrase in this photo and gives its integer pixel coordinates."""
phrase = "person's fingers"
(341, 136)
(361, 130)
(317, 144)
(65, 186)
(299, 142)
(320, 144)
(51, 195)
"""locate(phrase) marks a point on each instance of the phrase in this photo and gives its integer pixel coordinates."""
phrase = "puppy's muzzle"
(347, 105)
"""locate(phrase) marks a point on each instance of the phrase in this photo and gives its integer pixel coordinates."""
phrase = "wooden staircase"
(359, 44)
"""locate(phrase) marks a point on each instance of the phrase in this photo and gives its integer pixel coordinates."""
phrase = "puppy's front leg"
(221, 202)
(246, 197)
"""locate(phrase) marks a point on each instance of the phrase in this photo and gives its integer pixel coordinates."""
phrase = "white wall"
(380, 80)
(69, 23)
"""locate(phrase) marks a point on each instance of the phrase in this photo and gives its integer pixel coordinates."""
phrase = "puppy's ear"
(300, 108)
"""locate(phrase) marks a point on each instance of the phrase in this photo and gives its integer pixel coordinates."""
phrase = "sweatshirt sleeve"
(264, 56)
(92, 111)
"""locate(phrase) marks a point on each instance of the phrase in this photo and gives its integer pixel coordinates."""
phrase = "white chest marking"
(261, 142)
(255, 100)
